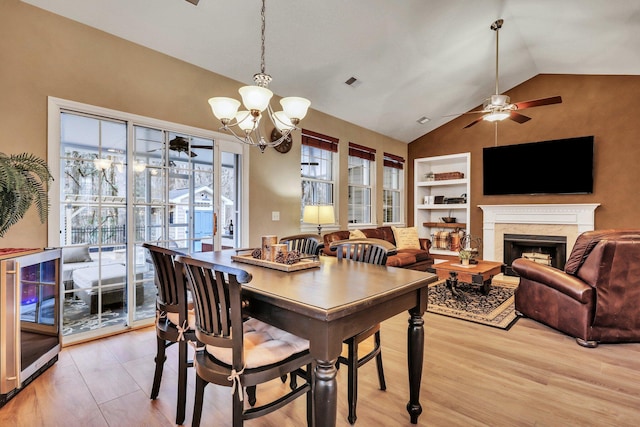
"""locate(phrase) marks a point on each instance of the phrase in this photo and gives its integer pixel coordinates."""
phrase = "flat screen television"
(561, 166)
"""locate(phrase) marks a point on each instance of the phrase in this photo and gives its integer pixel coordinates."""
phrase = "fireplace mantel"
(581, 215)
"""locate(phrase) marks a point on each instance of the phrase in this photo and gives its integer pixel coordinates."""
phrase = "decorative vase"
(464, 261)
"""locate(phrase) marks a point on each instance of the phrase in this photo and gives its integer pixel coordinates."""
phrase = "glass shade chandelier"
(256, 100)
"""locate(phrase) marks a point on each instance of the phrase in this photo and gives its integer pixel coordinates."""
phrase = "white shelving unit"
(427, 216)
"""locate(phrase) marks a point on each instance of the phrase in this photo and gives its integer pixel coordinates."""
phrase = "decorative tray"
(303, 264)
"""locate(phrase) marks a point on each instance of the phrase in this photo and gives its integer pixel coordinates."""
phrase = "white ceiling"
(413, 58)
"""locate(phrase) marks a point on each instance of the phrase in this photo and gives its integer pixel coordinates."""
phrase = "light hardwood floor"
(473, 375)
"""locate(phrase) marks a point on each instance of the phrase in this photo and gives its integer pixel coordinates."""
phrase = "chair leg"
(251, 395)
(238, 408)
(182, 381)
(197, 404)
(293, 384)
(160, 358)
(383, 384)
(352, 383)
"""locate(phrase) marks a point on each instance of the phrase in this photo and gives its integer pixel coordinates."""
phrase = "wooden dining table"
(332, 302)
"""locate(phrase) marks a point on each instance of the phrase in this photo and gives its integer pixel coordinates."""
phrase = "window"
(361, 177)
(317, 164)
(122, 180)
(392, 192)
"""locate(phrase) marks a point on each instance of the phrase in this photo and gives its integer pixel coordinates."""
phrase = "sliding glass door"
(121, 183)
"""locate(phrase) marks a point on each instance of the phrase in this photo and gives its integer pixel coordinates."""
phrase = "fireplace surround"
(567, 220)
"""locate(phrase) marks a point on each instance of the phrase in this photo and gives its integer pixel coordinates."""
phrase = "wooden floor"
(473, 376)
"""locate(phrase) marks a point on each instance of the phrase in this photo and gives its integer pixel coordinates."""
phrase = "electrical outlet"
(275, 216)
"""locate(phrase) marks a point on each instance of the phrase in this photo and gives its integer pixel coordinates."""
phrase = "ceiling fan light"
(102, 163)
(282, 122)
(500, 100)
(496, 117)
(255, 97)
(246, 121)
(295, 107)
(224, 108)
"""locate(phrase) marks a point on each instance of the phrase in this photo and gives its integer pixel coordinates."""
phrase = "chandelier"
(256, 100)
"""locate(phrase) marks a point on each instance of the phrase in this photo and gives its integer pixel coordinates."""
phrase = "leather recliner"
(596, 299)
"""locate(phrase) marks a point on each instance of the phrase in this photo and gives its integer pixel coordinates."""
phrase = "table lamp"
(318, 214)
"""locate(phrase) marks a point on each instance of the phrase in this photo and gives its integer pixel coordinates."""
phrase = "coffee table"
(479, 274)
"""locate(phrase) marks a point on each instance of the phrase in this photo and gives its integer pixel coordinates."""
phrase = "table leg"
(415, 353)
(452, 282)
(325, 393)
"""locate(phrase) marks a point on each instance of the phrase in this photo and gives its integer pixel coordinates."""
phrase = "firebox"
(549, 250)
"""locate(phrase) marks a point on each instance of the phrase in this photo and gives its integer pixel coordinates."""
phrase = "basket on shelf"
(448, 175)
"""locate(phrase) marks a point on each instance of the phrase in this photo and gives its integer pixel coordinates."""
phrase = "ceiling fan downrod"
(496, 27)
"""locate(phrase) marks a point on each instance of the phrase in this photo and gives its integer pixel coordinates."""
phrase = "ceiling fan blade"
(479, 119)
(468, 112)
(538, 102)
(517, 117)
(209, 147)
(193, 2)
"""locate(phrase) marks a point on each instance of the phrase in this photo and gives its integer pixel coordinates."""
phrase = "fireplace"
(549, 250)
(568, 220)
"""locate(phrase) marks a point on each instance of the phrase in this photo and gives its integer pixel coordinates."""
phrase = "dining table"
(330, 302)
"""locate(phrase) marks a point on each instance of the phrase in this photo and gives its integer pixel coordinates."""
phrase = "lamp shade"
(245, 121)
(318, 214)
(224, 108)
(255, 97)
(295, 107)
(282, 122)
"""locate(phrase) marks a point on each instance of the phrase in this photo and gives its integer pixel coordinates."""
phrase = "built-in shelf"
(427, 213)
(445, 224)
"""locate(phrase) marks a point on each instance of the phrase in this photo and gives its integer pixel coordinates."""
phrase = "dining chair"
(371, 253)
(307, 244)
(259, 354)
(175, 322)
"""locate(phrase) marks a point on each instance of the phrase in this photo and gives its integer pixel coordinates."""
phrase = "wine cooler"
(30, 311)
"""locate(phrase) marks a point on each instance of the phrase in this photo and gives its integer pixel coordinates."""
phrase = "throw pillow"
(75, 254)
(406, 238)
(356, 234)
(440, 240)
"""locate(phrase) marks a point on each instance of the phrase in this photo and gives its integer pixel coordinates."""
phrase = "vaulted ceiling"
(411, 58)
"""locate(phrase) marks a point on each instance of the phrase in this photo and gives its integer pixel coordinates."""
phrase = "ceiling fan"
(499, 107)
(181, 145)
(193, 2)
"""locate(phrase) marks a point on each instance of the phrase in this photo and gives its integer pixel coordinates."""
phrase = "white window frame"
(334, 158)
(399, 190)
(221, 142)
(371, 165)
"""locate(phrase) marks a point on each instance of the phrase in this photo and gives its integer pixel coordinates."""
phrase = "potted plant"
(24, 180)
(465, 255)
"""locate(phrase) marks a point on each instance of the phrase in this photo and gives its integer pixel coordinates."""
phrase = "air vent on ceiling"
(422, 120)
(353, 82)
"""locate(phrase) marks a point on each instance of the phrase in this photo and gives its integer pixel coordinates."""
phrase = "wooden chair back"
(216, 291)
(170, 281)
(308, 244)
(362, 251)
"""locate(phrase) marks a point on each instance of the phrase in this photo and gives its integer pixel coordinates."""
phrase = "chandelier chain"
(262, 15)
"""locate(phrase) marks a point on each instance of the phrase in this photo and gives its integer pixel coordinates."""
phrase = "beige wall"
(603, 106)
(45, 55)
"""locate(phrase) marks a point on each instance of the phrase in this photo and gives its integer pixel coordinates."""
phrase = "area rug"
(494, 309)
(76, 316)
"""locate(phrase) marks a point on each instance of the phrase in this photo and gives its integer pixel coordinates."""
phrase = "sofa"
(82, 271)
(596, 299)
(406, 249)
